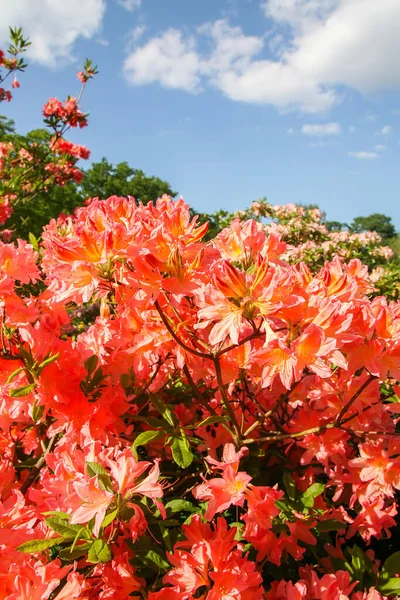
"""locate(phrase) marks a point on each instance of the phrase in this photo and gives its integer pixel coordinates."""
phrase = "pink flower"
(95, 503)
(223, 492)
(126, 470)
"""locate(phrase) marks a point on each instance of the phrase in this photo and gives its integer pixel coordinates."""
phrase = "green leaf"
(211, 420)
(390, 587)
(282, 505)
(391, 566)
(239, 530)
(181, 452)
(178, 505)
(103, 477)
(49, 360)
(93, 468)
(77, 552)
(62, 527)
(39, 545)
(357, 558)
(109, 518)
(99, 552)
(90, 363)
(308, 497)
(155, 423)
(57, 513)
(21, 391)
(361, 565)
(163, 409)
(330, 525)
(166, 536)
(15, 373)
(37, 412)
(146, 437)
(97, 378)
(155, 560)
(290, 485)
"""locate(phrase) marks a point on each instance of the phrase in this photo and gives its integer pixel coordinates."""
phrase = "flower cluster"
(310, 240)
(225, 427)
(66, 113)
(30, 166)
(11, 62)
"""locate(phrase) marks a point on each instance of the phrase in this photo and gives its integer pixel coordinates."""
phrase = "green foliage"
(335, 225)
(34, 546)
(7, 128)
(32, 213)
(99, 552)
(378, 222)
(181, 452)
(103, 180)
(308, 497)
(388, 283)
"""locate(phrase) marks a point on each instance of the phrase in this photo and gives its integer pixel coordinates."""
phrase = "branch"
(226, 401)
(38, 466)
(252, 336)
(353, 399)
(201, 399)
(181, 343)
(322, 428)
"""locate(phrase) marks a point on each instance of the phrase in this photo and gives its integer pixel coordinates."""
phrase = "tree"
(7, 127)
(103, 180)
(378, 222)
(335, 225)
(32, 216)
(32, 213)
(32, 165)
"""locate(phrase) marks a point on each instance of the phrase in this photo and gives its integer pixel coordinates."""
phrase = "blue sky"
(229, 100)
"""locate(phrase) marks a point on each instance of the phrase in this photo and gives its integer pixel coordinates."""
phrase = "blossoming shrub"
(309, 240)
(27, 166)
(225, 429)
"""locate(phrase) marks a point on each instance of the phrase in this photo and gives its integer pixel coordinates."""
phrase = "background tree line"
(103, 179)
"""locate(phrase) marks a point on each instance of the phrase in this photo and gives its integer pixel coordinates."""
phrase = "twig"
(252, 336)
(353, 399)
(221, 386)
(164, 319)
(38, 466)
(201, 399)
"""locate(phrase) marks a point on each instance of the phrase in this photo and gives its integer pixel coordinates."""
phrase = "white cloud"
(364, 155)
(320, 130)
(53, 26)
(290, 131)
(130, 5)
(173, 60)
(231, 50)
(169, 59)
(380, 147)
(102, 42)
(301, 15)
(134, 36)
(326, 44)
(385, 131)
(368, 118)
(352, 129)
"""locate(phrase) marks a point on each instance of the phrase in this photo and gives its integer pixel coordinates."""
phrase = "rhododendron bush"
(310, 240)
(224, 428)
(29, 166)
